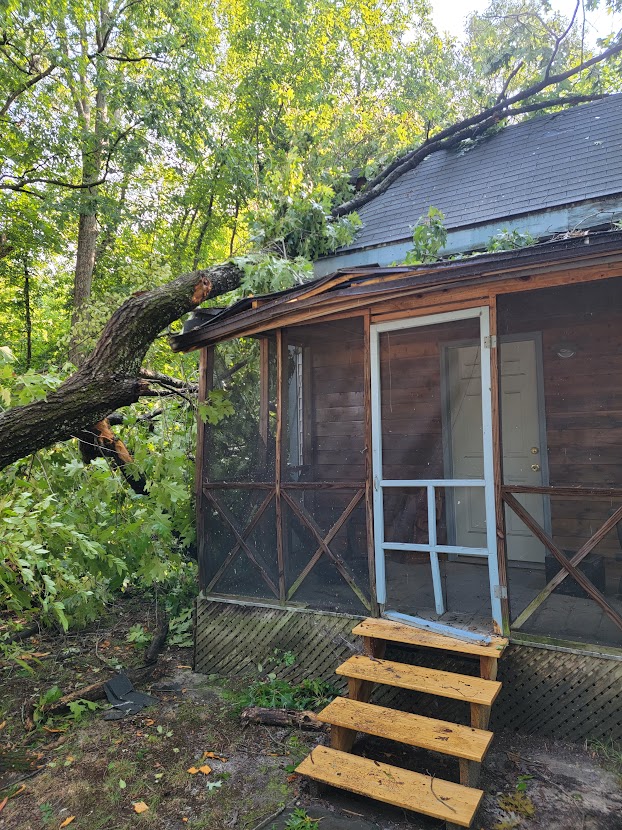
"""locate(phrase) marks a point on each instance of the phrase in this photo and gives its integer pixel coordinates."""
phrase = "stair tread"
(409, 790)
(397, 632)
(422, 679)
(415, 730)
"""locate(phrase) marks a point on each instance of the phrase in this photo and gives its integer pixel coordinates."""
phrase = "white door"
(521, 430)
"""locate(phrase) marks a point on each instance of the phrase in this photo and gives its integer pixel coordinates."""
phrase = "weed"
(18, 653)
(610, 754)
(507, 240)
(273, 693)
(518, 803)
(429, 236)
(180, 630)
(507, 824)
(523, 782)
(138, 636)
(47, 812)
(45, 699)
(79, 708)
(297, 749)
(300, 820)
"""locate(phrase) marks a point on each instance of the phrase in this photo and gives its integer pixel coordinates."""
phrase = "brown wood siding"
(334, 396)
(583, 400)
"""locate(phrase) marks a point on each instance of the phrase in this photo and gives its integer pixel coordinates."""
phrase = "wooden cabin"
(436, 449)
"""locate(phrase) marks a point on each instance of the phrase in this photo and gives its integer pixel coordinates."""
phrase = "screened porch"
(484, 448)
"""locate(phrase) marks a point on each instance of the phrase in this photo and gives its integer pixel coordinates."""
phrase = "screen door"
(434, 511)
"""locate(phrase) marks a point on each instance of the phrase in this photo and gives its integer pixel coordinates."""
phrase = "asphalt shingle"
(546, 162)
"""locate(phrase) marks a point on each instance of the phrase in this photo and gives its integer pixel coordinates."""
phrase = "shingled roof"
(549, 161)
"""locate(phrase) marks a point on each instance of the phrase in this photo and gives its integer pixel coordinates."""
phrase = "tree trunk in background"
(94, 145)
(27, 314)
(85, 256)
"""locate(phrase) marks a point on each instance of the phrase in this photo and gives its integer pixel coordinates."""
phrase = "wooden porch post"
(369, 472)
(201, 470)
(497, 455)
(281, 398)
(264, 397)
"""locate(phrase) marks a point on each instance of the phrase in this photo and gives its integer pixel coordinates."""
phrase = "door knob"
(535, 468)
(535, 450)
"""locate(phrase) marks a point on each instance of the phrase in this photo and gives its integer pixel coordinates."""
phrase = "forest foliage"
(143, 139)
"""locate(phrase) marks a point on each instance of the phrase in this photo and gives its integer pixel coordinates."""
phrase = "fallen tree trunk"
(109, 378)
(283, 717)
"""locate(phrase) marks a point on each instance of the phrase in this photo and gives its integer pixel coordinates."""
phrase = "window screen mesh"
(561, 356)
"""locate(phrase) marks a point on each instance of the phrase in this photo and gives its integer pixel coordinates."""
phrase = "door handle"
(535, 468)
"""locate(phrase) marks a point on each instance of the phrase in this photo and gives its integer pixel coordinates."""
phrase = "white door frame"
(380, 484)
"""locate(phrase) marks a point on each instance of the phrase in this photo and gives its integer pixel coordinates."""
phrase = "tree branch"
(13, 96)
(109, 377)
(168, 381)
(560, 39)
(470, 128)
(26, 181)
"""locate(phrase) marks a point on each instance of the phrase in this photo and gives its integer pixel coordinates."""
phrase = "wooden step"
(421, 679)
(392, 785)
(395, 632)
(414, 730)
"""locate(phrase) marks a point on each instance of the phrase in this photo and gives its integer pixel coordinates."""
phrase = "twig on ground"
(440, 800)
(266, 821)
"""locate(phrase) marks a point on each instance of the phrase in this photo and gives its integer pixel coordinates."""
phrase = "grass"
(610, 755)
(142, 758)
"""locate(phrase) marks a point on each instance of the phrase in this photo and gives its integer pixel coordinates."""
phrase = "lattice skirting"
(551, 693)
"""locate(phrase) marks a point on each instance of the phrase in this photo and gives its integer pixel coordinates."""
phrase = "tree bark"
(109, 377)
(99, 441)
(85, 257)
(283, 717)
(27, 314)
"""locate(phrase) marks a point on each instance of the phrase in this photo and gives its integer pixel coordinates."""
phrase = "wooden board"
(391, 785)
(409, 635)
(414, 730)
(421, 679)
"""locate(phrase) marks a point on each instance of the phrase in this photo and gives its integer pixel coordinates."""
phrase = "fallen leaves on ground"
(205, 769)
(140, 807)
(67, 821)
(214, 756)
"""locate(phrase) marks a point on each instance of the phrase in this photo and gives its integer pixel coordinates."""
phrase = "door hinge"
(490, 341)
(500, 592)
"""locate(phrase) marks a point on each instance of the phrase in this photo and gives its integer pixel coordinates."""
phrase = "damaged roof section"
(545, 175)
(356, 288)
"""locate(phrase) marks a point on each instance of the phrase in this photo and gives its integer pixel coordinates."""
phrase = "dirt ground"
(192, 764)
